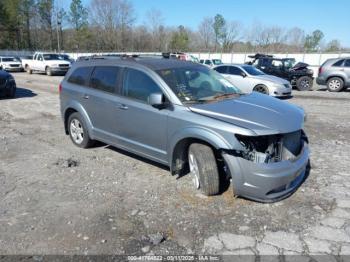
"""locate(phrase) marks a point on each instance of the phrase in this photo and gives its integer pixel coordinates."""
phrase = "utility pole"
(59, 22)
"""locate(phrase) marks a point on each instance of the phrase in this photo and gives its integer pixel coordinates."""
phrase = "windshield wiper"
(225, 95)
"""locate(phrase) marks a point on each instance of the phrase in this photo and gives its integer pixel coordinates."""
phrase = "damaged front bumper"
(267, 182)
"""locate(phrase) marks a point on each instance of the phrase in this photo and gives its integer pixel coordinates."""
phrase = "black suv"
(299, 75)
(7, 85)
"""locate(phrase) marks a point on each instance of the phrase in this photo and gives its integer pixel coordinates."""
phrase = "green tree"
(219, 27)
(179, 40)
(45, 8)
(78, 18)
(333, 46)
(313, 41)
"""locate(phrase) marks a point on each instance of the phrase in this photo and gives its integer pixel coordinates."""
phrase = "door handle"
(123, 107)
(86, 96)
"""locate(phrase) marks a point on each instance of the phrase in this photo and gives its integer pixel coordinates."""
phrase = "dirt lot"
(59, 199)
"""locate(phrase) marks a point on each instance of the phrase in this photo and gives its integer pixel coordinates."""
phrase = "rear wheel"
(335, 84)
(203, 169)
(78, 131)
(304, 83)
(261, 89)
(29, 71)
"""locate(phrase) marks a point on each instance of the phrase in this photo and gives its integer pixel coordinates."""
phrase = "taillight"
(60, 88)
(320, 70)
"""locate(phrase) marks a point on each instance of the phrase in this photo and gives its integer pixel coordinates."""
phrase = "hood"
(12, 62)
(262, 114)
(299, 66)
(271, 78)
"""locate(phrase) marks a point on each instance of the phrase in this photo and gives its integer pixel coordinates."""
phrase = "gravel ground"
(59, 199)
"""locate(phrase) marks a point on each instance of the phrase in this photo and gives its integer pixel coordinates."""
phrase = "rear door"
(347, 71)
(142, 127)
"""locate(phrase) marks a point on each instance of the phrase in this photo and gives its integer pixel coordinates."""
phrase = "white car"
(211, 62)
(248, 79)
(49, 63)
(9, 63)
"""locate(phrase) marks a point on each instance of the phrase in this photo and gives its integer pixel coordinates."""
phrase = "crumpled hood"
(262, 114)
(299, 66)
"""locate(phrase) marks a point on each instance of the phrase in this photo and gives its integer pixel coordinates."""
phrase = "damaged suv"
(192, 119)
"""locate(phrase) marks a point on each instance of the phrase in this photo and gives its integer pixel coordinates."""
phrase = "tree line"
(110, 25)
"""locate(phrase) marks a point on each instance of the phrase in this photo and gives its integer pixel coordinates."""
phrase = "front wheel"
(261, 89)
(48, 71)
(203, 169)
(78, 131)
(304, 83)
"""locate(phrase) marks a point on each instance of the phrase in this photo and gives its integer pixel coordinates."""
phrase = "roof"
(151, 63)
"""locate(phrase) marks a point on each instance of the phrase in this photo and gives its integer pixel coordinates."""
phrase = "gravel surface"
(59, 199)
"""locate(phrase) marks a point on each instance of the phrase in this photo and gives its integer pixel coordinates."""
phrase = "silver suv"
(188, 117)
(335, 73)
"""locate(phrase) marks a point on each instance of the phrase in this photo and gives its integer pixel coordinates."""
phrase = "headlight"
(54, 65)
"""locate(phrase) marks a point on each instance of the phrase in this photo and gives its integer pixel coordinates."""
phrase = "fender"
(201, 133)
(80, 109)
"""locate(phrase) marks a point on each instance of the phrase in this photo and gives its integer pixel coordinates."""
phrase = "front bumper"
(13, 69)
(281, 91)
(267, 182)
(59, 70)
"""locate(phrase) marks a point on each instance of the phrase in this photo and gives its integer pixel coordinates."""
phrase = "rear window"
(80, 76)
(105, 78)
(339, 63)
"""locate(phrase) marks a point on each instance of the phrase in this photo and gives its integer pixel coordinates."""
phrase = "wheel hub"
(194, 171)
(76, 131)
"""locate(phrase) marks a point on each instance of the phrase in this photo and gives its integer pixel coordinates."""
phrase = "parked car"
(49, 63)
(7, 85)
(248, 79)
(298, 74)
(191, 118)
(335, 73)
(181, 56)
(211, 62)
(9, 63)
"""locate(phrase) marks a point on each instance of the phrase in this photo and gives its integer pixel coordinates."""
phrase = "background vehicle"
(298, 74)
(49, 63)
(7, 85)
(335, 73)
(67, 58)
(188, 117)
(248, 79)
(211, 62)
(9, 63)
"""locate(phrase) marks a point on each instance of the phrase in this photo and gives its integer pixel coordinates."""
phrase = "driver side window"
(137, 85)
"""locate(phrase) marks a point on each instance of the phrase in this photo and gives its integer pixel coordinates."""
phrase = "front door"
(141, 126)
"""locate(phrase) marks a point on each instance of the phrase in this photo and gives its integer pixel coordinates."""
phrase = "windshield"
(252, 70)
(52, 57)
(198, 84)
(289, 63)
(9, 59)
(217, 61)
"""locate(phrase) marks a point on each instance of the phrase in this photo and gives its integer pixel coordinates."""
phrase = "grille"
(14, 65)
(63, 65)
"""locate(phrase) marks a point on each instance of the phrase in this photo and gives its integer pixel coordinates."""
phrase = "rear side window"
(105, 78)
(339, 63)
(234, 71)
(80, 76)
(221, 69)
(347, 63)
(138, 85)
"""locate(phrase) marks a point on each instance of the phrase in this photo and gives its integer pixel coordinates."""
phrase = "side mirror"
(243, 74)
(156, 100)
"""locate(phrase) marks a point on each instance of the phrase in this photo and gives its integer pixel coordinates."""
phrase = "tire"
(12, 92)
(335, 84)
(78, 132)
(29, 71)
(304, 83)
(261, 89)
(48, 71)
(203, 169)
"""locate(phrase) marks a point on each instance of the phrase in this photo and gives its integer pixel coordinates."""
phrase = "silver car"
(190, 118)
(248, 79)
(335, 73)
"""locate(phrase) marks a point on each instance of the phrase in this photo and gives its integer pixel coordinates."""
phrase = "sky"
(332, 17)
